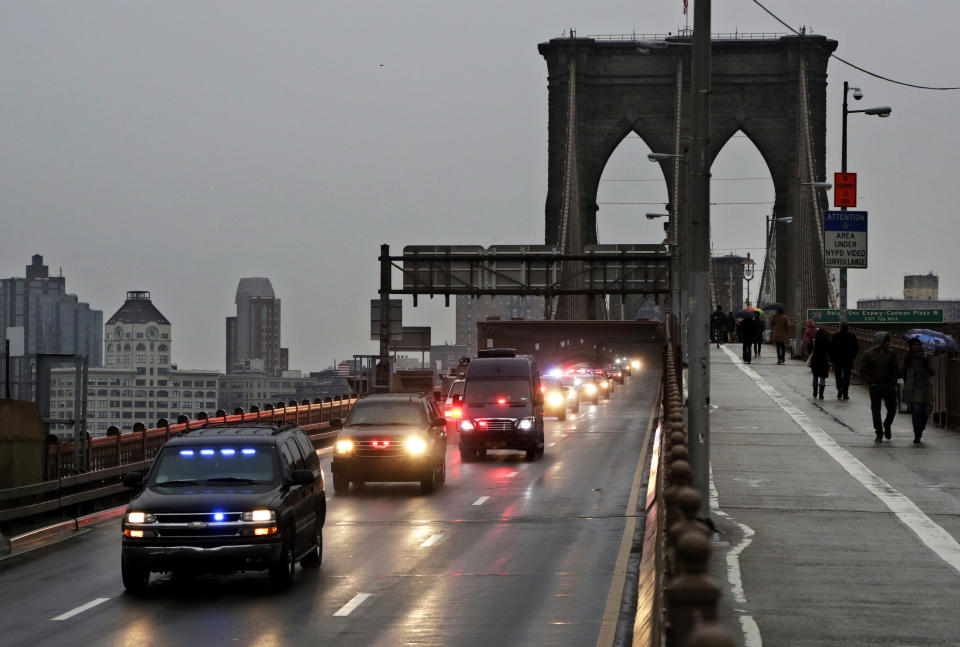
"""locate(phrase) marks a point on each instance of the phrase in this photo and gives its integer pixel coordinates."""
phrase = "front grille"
(496, 424)
(365, 448)
(209, 531)
(206, 517)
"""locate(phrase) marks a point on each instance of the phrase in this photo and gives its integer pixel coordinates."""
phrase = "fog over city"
(176, 147)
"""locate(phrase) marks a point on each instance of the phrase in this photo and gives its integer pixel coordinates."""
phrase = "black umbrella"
(933, 340)
(745, 314)
(773, 306)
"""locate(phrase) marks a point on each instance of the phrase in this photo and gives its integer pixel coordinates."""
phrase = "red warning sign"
(844, 189)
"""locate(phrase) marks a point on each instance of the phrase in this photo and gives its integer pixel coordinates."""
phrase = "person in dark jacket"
(917, 374)
(780, 334)
(879, 370)
(718, 321)
(760, 327)
(843, 349)
(747, 332)
(820, 362)
(731, 326)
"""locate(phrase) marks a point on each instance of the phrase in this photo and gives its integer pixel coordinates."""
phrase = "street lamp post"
(882, 111)
(748, 272)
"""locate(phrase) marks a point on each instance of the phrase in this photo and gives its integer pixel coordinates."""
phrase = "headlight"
(526, 424)
(590, 388)
(140, 517)
(466, 425)
(555, 399)
(605, 384)
(260, 515)
(416, 445)
(635, 365)
(344, 446)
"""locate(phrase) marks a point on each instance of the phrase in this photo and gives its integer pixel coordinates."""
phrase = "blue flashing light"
(228, 452)
(248, 451)
(186, 452)
(218, 516)
(206, 452)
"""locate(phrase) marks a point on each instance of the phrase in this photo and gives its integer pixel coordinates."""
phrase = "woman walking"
(917, 374)
(808, 334)
(780, 333)
(820, 362)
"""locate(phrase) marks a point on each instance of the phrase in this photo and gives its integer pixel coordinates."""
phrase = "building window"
(188, 383)
(141, 358)
(140, 393)
(174, 394)
(163, 359)
(140, 404)
(115, 404)
(162, 371)
(161, 382)
(142, 347)
(141, 370)
(126, 404)
(126, 359)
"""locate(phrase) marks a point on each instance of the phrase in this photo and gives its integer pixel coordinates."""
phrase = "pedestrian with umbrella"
(879, 370)
(917, 374)
(758, 317)
(933, 340)
(843, 350)
(780, 334)
(747, 331)
(820, 361)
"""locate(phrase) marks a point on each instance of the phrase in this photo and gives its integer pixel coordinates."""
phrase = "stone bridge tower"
(772, 89)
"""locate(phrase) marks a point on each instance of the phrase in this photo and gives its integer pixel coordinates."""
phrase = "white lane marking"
(481, 500)
(934, 536)
(80, 609)
(553, 444)
(357, 600)
(431, 541)
(751, 632)
(512, 474)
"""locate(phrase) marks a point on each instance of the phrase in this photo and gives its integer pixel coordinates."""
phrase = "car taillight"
(456, 413)
(501, 400)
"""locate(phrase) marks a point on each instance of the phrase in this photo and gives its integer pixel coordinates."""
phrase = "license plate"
(496, 445)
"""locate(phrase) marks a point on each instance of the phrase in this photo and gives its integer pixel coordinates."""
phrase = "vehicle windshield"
(382, 412)
(551, 384)
(456, 389)
(196, 464)
(484, 391)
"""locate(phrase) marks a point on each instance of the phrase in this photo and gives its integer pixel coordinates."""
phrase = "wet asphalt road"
(506, 553)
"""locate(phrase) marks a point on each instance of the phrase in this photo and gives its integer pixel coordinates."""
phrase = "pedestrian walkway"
(826, 537)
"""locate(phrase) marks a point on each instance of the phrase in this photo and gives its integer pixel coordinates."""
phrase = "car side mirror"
(133, 479)
(336, 423)
(302, 477)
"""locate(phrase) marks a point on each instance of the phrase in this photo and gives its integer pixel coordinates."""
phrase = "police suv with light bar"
(223, 499)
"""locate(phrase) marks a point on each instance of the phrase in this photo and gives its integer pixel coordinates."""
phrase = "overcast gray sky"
(178, 146)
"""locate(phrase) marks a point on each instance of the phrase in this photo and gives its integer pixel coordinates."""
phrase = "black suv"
(224, 499)
(391, 437)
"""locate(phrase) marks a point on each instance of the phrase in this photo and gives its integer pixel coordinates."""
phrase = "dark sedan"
(391, 437)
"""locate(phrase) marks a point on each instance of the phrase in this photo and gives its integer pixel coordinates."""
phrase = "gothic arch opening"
(742, 196)
(630, 187)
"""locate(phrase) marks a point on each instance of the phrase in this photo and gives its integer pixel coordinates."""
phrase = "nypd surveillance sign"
(845, 239)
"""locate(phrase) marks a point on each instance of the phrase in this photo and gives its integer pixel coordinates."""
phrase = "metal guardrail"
(112, 456)
(676, 548)
(685, 34)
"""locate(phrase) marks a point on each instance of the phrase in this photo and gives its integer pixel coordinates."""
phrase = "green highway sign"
(904, 316)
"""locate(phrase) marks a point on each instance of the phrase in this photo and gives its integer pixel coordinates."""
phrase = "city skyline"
(147, 151)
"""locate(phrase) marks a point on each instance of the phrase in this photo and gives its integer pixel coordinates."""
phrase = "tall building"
(471, 310)
(52, 321)
(253, 335)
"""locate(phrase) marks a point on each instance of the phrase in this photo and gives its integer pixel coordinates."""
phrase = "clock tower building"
(137, 337)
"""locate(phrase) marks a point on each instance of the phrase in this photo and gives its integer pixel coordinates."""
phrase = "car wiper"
(176, 482)
(229, 479)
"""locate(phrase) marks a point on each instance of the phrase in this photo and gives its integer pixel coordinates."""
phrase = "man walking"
(917, 376)
(717, 322)
(780, 333)
(758, 332)
(879, 370)
(746, 332)
(843, 349)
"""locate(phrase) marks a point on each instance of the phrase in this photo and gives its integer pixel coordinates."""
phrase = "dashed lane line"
(512, 474)
(83, 607)
(431, 540)
(349, 607)
(481, 500)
